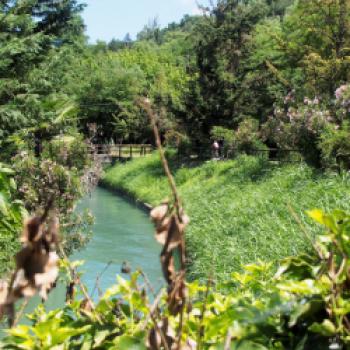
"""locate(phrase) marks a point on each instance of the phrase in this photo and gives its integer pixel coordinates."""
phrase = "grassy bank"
(239, 209)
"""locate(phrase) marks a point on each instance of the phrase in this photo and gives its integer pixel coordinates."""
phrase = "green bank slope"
(239, 209)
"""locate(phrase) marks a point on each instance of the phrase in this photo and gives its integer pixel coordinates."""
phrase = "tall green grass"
(239, 209)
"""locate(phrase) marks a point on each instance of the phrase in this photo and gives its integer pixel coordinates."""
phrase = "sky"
(107, 19)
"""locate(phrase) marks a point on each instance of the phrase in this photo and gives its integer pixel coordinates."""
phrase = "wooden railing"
(122, 151)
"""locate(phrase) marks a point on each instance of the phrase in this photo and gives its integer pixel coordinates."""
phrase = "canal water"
(122, 232)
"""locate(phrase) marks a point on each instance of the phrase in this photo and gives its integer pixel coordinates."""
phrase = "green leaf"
(317, 215)
(131, 343)
(247, 345)
(100, 337)
(326, 328)
(20, 331)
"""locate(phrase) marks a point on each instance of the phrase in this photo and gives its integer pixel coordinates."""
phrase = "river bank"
(239, 209)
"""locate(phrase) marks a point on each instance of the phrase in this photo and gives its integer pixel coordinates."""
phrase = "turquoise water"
(122, 232)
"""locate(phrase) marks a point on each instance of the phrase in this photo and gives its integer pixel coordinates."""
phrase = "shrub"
(299, 127)
(68, 151)
(335, 147)
(247, 137)
(42, 180)
(305, 305)
(12, 214)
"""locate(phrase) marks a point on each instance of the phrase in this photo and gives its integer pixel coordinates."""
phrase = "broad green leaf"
(131, 343)
(317, 215)
(20, 331)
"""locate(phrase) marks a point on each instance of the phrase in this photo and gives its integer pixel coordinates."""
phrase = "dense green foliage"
(276, 62)
(12, 214)
(305, 305)
(239, 209)
(39, 137)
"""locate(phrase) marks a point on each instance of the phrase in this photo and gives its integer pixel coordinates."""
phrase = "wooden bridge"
(110, 153)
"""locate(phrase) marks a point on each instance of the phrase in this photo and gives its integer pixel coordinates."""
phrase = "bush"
(68, 151)
(42, 180)
(335, 148)
(299, 127)
(305, 305)
(12, 214)
(247, 138)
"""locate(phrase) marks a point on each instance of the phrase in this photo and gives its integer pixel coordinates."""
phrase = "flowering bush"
(69, 151)
(41, 181)
(299, 127)
(335, 147)
(342, 95)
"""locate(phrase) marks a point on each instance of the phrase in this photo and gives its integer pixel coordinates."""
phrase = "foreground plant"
(305, 305)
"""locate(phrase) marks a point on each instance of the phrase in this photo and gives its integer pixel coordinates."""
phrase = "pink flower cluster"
(342, 95)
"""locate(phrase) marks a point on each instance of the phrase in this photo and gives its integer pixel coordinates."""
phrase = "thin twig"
(152, 309)
(145, 103)
(77, 278)
(98, 278)
(148, 283)
(20, 312)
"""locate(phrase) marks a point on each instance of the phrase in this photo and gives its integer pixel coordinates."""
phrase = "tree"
(316, 37)
(221, 40)
(28, 30)
(151, 32)
(59, 18)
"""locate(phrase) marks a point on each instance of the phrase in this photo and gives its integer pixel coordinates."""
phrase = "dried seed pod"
(3, 291)
(170, 227)
(175, 234)
(36, 263)
(158, 213)
(70, 292)
(32, 230)
(52, 233)
(162, 230)
(86, 306)
(177, 296)
(168, 267)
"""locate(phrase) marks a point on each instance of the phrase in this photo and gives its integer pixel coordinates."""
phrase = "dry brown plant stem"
(147, 106)
(178, 219)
